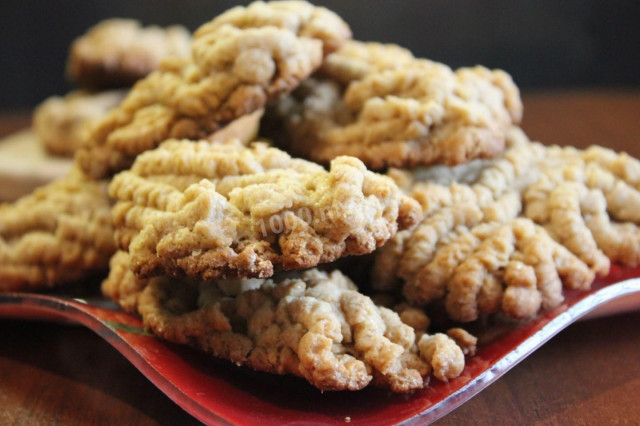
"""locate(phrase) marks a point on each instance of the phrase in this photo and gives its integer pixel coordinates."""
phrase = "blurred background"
(543, 43)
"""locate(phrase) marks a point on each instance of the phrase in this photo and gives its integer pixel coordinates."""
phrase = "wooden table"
(589, 374)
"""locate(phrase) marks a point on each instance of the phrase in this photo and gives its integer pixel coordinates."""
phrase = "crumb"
(443, 354)
(465, 340)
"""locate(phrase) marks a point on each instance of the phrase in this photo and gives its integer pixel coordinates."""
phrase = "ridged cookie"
(516, 231)
(356, 59)
(60, 233)
(118, 52)
(211, 211)
(240, 60)
(312, 324)
(62, 123)
(404, 113)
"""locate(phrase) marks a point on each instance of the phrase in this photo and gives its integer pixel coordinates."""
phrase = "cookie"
(121, 285)
(211, 211)
(116, 53)
(520, 228)
(419, 113)
(62, 123)
(299, 17)
(356, 59)
(588, 206)
(311, 324)
(241, 60)
(60, 233)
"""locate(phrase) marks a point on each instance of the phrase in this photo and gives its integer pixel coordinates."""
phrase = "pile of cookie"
(417, 172)
(103, 64)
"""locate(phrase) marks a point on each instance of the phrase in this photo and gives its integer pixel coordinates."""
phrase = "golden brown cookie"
(62, 123)
(299, 17)
(418, 113)
(356, 59)
(312, 324)
(122, 286)
(210, 211)
(241, 59)
(118, 52)
(589, 206)
(514, 230)
(60, 233)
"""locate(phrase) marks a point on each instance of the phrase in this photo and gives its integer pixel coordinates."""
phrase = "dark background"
(543, 44)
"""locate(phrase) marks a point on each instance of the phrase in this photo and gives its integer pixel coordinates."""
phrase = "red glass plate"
(217, 392)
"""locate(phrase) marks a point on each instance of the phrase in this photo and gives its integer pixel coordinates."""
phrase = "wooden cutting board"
(25, 165)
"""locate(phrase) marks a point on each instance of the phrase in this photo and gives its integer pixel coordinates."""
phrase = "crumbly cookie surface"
(299, 17)
(416, 113)
(224, 210)
(121, 285)
(525, 224)
(356, 59)
(311, 324)
(60, 233)
(118, 52)
(240, 60)
(62, 123)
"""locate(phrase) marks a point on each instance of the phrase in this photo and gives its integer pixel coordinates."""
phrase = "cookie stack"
(234, 246)
(103, 64)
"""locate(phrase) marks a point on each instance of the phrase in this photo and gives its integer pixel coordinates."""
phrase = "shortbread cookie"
(420, 113)
(211, 211)
(62, 123)
(242, 59)
(313, 324)
(524, 225)
(118, 52)
(60, 233)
